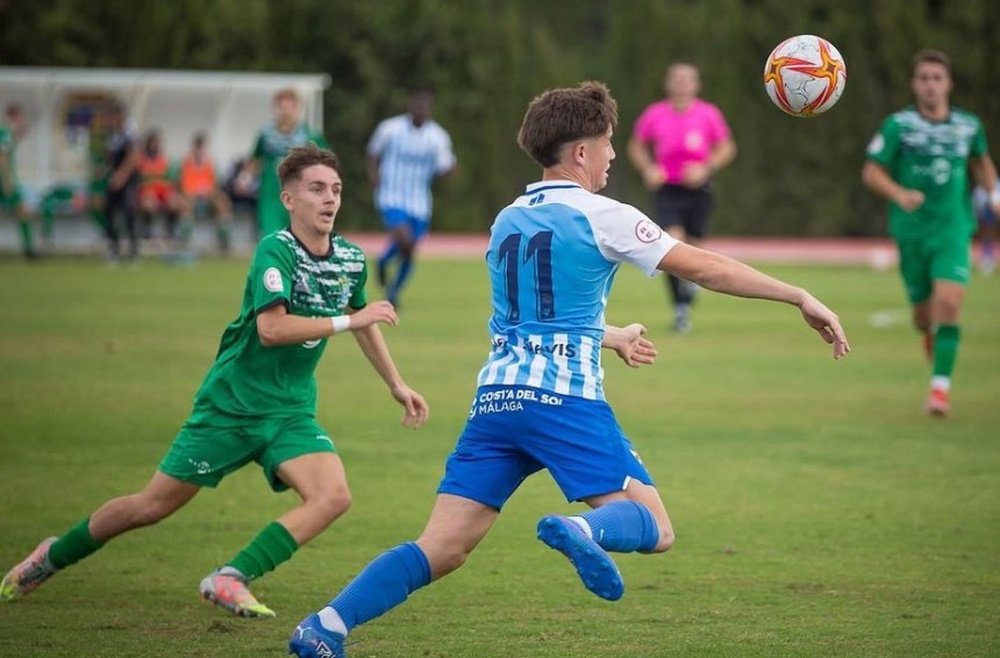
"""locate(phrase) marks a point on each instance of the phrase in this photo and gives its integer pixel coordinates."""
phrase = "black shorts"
(677, 205)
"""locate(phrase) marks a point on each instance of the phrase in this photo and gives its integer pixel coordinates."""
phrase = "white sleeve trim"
(624, 234)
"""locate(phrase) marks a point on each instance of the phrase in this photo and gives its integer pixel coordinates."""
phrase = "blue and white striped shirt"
(552, 258)
(409, 159)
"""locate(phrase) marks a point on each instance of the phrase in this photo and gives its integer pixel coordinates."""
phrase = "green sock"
(48, 226)
(27, 238)
(222, 234)
(73, 546)
(946, 339)
(270, 548)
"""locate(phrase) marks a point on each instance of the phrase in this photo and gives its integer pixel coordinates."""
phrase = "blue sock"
(623, 526)
(405, 267)
(389, 253)
(382, 585)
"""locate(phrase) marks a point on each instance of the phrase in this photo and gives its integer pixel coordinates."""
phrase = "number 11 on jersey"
(539, 251)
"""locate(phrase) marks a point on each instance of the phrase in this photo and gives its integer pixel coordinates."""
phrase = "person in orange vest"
(200, 193)
(157, 192)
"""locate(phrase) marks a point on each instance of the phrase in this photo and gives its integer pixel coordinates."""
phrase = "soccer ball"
(805, 75)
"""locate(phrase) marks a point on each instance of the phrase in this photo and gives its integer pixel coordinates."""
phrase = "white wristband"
(995, 196)
(340, 323)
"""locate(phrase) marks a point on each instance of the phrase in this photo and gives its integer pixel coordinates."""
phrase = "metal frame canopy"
(229, 106)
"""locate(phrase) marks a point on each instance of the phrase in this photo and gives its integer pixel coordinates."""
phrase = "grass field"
(818, 512)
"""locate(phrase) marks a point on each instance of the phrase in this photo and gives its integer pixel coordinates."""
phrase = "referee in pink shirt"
(677, 144)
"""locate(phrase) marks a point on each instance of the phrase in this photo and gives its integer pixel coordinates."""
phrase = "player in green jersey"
(919, 161)
(258, 401)
(11, 201)
(274, 141)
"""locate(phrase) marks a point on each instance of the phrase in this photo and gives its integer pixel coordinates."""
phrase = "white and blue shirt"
(552, 258)
(409, 159)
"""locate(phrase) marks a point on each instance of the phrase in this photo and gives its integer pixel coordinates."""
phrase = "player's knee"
(665, 541)
(450, 559)
(445, 554)
(948, 309)
(333, 504)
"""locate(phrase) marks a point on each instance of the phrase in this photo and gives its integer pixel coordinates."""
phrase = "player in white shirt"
(405, 154)
(552, 256)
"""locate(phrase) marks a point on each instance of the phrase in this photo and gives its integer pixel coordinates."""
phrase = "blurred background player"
(677, 144)
(157, 190)
(919, 161)
(258, 400)
(275, 140)
(988, 219)
(200, 194)
(12, 129)
(405, 154)
(540, 399)
(120, 179)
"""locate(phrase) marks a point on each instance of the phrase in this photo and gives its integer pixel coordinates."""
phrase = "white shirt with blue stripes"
(409, 159)
(552, 258)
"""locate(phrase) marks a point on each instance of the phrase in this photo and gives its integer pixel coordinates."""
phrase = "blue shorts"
(393, 217)
(514, 431)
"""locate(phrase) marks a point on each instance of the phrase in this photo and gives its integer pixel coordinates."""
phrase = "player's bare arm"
(373, 346)
(630, 344)
(8, 182)
(641, 158)
(984, 171)
(276, 326)
(723, 274)
(878, 180)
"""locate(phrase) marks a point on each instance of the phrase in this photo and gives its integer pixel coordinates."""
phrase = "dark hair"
(560, 116)
(301, 157)
(282, 94)
(199, 138)
(930, 55)
(14, 110)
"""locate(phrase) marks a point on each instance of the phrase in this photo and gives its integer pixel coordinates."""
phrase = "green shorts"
(922, 261)
(211, 446)
(11, 203)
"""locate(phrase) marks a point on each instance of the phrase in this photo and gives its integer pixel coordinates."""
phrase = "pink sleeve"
(643, 130)
(719, 127)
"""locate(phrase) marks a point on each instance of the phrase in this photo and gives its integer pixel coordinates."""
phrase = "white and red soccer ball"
(805, 75)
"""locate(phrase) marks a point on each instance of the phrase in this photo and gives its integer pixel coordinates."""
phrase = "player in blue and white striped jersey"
(552, 256)
(405, 154)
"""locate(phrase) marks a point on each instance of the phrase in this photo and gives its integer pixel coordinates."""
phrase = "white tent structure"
(60, 102)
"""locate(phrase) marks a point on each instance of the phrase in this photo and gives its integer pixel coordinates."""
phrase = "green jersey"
(932, 157)
(8, 148)
(248, 379)
(272, 146)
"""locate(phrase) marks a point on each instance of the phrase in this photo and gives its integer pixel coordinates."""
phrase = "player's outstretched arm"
(723, 274)
(373, 346)
(629, 343)
(276, 326)
(877, 179)
(984, 171)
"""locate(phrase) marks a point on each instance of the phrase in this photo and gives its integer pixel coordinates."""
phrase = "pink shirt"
(681, 137)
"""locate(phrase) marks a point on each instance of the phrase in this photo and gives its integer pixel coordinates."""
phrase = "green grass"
(818, 512)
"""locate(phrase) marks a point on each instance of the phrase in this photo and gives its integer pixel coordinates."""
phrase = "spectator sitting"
(200, 194)
(157, 192)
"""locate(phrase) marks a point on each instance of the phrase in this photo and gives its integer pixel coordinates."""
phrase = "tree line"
(488, 58)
